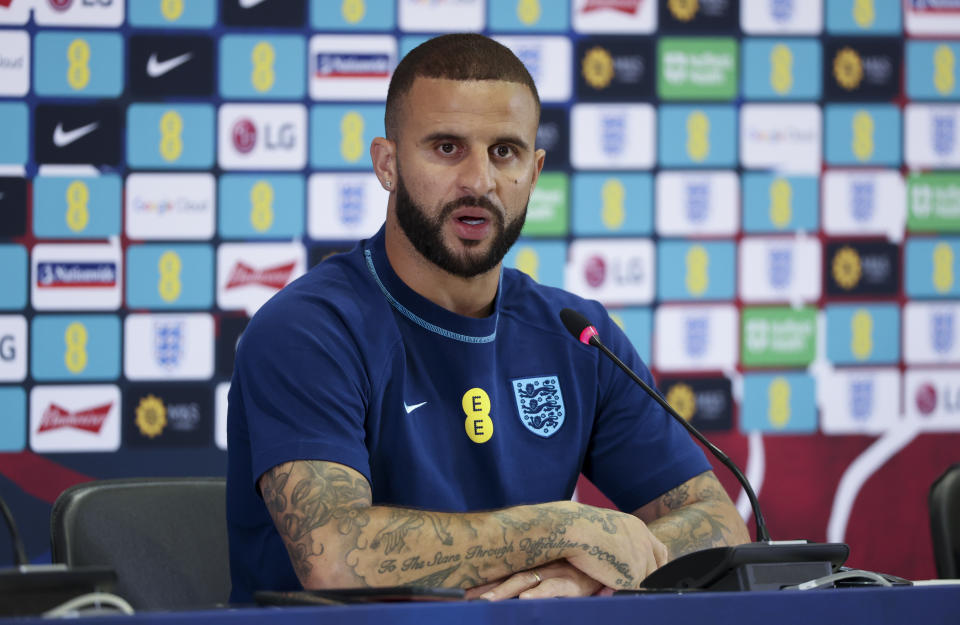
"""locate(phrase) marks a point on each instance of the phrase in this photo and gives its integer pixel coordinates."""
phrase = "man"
(413, 413)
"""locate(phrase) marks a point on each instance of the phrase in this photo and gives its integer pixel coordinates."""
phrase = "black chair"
(944, 503)
(165, 537)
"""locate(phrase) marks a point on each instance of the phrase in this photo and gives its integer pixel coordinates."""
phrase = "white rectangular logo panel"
(75, 418)
(932, 399)
(15, 11)
(864, 202)
(170, 206)
(548, 59)
(78, 12)
(351, 67)
(696, 338)
(698, 203)
(781, 137)
(931, 17)
(614, 271)
(613, 136)
(614, 16)
(262, 136)
(441, 15)
(859, 401)
(76, 277)
(14, 62)
(930, 333)
(13, 348)
(779, 269)
(168, 347)
(345, 206)
(781, 17)
(248, 274)
(930, 135)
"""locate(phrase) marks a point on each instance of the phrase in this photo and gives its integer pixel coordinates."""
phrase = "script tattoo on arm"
(696, 515)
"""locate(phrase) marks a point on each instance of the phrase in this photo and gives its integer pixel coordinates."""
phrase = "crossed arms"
(336, 538)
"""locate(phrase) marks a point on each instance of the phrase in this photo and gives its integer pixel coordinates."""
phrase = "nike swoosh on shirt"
(63, 138)
(413, 407)
(157, 68)
(249, 4)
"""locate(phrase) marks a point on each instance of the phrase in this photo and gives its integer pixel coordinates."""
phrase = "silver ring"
(537, 575)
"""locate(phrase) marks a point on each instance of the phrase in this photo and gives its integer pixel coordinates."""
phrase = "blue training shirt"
(347, 364)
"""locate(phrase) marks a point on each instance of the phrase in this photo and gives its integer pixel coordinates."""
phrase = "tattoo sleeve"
(335, 537)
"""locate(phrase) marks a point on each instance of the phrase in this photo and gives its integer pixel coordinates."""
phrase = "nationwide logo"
(630, 7)
(346, 65)
(273, 277)
(244, 134)
(76, 275)
(90, 419)
(848, 68)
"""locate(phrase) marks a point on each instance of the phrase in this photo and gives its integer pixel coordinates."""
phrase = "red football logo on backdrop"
(244, 135)
(595, 271)
(926, 399)
(60, 5)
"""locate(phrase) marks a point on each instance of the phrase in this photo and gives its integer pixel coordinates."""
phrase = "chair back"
(944, 504)
(165, 537)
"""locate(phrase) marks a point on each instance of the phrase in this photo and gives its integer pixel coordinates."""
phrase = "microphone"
(762, 565)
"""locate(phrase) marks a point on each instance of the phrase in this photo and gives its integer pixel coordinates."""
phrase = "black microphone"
(763, 565)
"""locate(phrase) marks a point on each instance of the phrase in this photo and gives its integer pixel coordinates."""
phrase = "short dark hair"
(459, 56)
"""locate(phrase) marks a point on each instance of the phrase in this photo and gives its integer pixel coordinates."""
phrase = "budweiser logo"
(272, 277)
(629, 7)
(91, 419)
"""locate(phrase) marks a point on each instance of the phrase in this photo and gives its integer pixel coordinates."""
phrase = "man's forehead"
(432, 101)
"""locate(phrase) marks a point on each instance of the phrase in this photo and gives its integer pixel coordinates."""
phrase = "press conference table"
(926, 605)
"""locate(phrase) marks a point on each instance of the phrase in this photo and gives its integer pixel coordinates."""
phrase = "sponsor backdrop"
(766, 194)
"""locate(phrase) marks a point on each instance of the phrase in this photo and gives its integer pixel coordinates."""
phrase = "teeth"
(471, 220)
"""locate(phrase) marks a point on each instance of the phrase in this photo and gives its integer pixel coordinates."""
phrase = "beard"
(426, 234)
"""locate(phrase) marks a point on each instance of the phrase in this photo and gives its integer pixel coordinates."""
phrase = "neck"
(470, 297)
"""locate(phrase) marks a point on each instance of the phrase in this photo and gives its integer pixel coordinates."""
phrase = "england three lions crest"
(540, 404)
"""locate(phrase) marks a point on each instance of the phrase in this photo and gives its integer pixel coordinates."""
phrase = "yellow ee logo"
(861, 328)
(78, 64)
(944, 78)
(169, 285)
(171, 9)
(864, 13)
(698, 136)
(78, 194)
(781, 203)
(781, 69)
(351, 136)
(613, 213)
(478, 424)
(528, 262)
(261, 206)
(262, 77)
(778, 406)
(942, 267)
(698, 264)
(353, 10)
(529, 11)
(75, 357)
(171, 127)
(863, 135)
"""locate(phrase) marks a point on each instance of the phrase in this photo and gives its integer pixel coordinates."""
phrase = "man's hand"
(623, 555)
(556, 579)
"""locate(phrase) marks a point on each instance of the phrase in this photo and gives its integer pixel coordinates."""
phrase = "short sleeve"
(304, 387)
(637, 451)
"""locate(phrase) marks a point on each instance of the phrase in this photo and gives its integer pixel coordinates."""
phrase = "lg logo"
(8, 348)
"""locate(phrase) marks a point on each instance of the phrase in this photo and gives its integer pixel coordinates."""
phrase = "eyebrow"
(449, 136)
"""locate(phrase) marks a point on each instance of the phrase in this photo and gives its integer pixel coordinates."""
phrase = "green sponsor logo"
(548, 209)
(697, 68)
(933, 202)
(778, 337)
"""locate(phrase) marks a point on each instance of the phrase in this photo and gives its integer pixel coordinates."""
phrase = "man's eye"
(503, 151)
(448, 148)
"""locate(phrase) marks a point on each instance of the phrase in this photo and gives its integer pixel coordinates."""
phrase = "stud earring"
(389, 184)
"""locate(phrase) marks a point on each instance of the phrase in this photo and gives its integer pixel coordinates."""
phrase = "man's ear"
(383, 154)
(538, 159)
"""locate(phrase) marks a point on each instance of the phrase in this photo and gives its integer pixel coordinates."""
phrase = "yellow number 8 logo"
(171, 145)
(351, 136)
(169, 285)
(261, 206)
(698, 136)
(77, 197)
(76, 355)
(78, 70)
(263, 75)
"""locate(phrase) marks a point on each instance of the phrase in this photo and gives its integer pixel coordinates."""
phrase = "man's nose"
(476, 174)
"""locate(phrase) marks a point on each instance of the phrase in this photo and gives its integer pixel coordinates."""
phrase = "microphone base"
(34, 589)
(753, 566)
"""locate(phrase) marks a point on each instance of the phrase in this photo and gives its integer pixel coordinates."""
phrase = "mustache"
(467, 200)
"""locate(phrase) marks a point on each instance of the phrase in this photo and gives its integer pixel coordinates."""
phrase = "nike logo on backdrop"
(62, 138)
(413, 407)
(157, 68)
(249, 4)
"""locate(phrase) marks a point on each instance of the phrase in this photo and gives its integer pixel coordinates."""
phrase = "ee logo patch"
(478, 424)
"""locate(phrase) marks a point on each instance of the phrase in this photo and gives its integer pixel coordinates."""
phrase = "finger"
(553, 587)
(476, 591)
(512, 587)
(661, 553)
